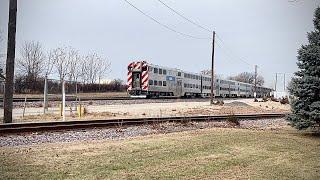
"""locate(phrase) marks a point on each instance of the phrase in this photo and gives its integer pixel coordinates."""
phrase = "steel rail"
(71, 98)
(77, 124)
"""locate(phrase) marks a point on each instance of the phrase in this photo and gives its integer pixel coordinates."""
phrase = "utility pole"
(255, 81)
(212, 69)
(8, 94)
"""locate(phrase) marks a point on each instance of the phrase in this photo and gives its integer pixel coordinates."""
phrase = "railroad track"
(72, 98)
(65, 125)
(69, 98)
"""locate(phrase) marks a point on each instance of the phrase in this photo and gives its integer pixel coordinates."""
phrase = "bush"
(264, 99)
(284, 100)
(232, 120)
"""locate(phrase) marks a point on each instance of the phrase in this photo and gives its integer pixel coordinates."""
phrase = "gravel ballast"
(27, 139)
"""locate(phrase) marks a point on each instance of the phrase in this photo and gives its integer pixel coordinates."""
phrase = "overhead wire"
(222, 45)
(231, 52)
(202, 27)
(161, 24)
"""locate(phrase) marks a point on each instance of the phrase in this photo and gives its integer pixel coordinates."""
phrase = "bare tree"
(61, 62)
(32, 60)
(49, 63)
(247, 77)
(104, 68)
(96, 68)
(91, 68)
(75, 62)
(75, 68)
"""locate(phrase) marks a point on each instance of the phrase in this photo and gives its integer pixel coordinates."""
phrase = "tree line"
(245, 77)
(64, 63)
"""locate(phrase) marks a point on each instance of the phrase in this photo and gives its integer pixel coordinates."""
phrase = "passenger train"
(148, 80)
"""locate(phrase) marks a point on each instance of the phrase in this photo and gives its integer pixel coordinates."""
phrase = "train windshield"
(136, 80)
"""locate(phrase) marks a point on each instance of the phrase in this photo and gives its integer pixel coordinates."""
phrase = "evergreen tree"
(305, 86)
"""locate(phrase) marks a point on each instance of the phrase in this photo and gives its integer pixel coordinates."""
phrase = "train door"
(179, 87)
(136, 81)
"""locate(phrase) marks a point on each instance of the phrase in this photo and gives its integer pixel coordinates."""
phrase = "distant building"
(104, 81)
(280, 94)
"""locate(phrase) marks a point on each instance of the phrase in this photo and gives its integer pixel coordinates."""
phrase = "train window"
(185, 85)
(217, 80)
(155, 82)
(144, 68)
(179, 74)
(164, 72)
(155, 70)
(151, 82)
(160, 71)
(193, 86)
(164, 83)
(160, 83)
(185, 75)
(150, 68)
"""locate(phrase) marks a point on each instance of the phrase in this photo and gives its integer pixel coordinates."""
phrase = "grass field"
(208, 153)
(81, 95)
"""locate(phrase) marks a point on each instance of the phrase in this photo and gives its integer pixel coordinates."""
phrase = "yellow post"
(80, 110)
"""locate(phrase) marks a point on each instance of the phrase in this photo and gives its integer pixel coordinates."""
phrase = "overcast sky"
(263, 32)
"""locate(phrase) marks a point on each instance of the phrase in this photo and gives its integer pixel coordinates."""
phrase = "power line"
(184, 17)
(200, 26)
(163, 25)
(231, 52)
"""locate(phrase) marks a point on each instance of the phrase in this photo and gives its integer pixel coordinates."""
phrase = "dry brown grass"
(200, 154)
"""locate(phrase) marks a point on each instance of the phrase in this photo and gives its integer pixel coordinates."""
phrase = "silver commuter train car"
(148, 80)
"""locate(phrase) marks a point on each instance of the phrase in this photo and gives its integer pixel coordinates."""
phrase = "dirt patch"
(237, 103)
(229, 110)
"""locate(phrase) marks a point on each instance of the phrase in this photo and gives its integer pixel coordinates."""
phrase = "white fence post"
(45, 95)
(63, 101)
